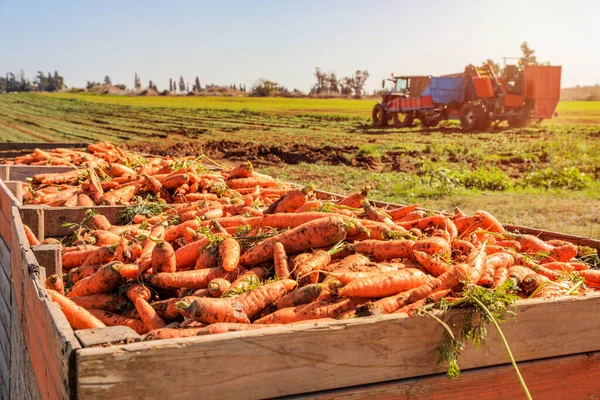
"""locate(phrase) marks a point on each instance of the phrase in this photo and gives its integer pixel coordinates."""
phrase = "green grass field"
(546, 176)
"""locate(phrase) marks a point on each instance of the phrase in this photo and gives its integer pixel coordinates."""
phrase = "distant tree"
(107, 80)
(196, 87)
(181, 84)
(137, 84)
(333, 83)
(40, 81)
(356, 83)
(264, 88)
(321, 84)
(170, 84)
(528, 57)
(121, 86)
(493, 65)
(187, 87)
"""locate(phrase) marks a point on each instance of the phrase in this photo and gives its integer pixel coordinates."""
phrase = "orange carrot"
(448, 280)
(218, 286)
(401, 212)
(33, 241)
(380, 250)
(78, 317)
(194, 279)
(103, 238)
(256, 300)
(280, 261)
(251, 182)
(119, 196)
(229, 251)
(106, 279)
(248, 278)
(55, 282)
(291, 201)
(99, 221)
(210, 310)
(163, 258)
(110, 319)
(104, 301)
(356, 199)
(174, 333)
(303, 295)
(433, 245)
(386, 284)
(150, 317)
(102, 255)
(432, 264)
(241, 171)
(174, 181)
(138, 290)
(317, 233)
(318, 310)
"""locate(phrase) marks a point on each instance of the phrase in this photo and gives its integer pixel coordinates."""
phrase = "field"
(546, 176)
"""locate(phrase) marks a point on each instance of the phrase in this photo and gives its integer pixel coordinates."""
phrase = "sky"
(224, 42)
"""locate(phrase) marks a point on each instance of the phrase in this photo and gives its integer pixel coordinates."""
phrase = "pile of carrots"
(258, 253)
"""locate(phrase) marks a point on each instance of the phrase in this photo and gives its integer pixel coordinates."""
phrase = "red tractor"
(476, 97)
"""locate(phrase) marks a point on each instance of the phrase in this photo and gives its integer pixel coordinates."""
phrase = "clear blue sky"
(240, 41)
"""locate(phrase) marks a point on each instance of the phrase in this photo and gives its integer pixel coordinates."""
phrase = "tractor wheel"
(472, 116)
(403, 120)
(380, 117)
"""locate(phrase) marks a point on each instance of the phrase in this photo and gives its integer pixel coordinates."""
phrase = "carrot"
(280, 261)
(99, 221)
(401, 212)
(178, 231)
(356, 199)
(256, 300)
(435, 265)
(153, 184)
(384, 250)
(517, 273)
(194, 279)
(102, 255)
(174, 333)
(433, 245)
(432, 298)
(106, 279)
(476, 263)
(111, 319)
(509, 244)
(318, 310)
(491, 264)
(174, 181)
(119, 196)
(309, 206)
(55, 282)
(532, 245)
(248, 278)
(251, 182)
(500, 276)
(562, 253)
(375, 214)
(167, 309)
(33, 241)
(104, 301)
(386, 284)
(104, 238)
(448, 280)
(78, 273)
(438, 221)
(386, 305)
(317, 233)
(138, 290)
(303, 295)
(243, 170)
(207, 258)
(291, 201)
(315, 262)
(209, 310)
(218, 286)
(150, 317)
(78, 317)
(116, 170)
(95, 188)
(163, 258)
(129, 271)
(229, 251)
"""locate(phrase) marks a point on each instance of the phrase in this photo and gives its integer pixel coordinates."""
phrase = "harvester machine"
(477, 97)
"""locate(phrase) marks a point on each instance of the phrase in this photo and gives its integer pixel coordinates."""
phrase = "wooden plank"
(570, 377)
(23, 384)
(16, 188)
(107, 336)
(49, 256)
(303, 358)
(4, 169)
(54, 218)
(5, 274)
(33, 217)
(4, 347)
(22, 172)
(5, 317)
(41, 145)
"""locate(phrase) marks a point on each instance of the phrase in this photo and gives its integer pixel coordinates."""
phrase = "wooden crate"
(369, 357)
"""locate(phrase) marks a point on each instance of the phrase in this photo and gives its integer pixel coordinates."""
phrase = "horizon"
(284, 41)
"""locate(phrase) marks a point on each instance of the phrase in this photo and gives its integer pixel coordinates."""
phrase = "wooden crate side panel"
(22, 172)
(5, 273)
(571, 377)
(23, 384)
(33, 217)
(299, 359)
(49, 338)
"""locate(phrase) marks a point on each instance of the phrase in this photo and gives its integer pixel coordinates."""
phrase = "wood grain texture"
(33, 217)
(16, 188)
(53, 218)
(567, 378)
(305, 358)
(5, 273)
(106, 336)
(49, 256)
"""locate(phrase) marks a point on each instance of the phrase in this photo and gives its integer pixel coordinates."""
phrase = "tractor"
(477, 97)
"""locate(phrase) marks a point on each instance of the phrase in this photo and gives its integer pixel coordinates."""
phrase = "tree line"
(41, 83)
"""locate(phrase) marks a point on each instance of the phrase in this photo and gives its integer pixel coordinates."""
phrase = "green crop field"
(547, 176)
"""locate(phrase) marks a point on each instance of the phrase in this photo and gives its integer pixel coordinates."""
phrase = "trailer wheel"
(380, 117)
(472, 116)
(403, 120)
